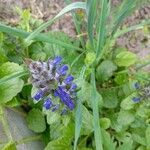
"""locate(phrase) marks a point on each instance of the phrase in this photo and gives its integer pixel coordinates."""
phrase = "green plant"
(109, 103)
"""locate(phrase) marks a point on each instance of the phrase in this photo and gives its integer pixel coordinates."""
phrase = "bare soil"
(138, 41)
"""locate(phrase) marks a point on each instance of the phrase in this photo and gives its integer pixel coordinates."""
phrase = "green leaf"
(10, 146)
(108, 142)
(39, 37)
(10, 85)
(137, 138)
(147, 136)
(125, 59)
(59, 144)
(91, 14)
(64, 142)
(127, 103)
(121, 78)
(105, 70)
(127, 145)
(86, 92)
(105, 123)
(90, 58)
(110, 98)
(36, 120)
(52, 117)
(125, 117)
(102, 27)
(86, 120)
(96, 124)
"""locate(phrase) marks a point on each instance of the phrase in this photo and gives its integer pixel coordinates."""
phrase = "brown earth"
(137, 41)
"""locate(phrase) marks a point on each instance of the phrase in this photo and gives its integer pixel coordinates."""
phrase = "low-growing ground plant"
(82, 93)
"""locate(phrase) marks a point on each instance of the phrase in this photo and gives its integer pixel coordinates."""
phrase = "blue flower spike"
(136, 99)
(44, 75)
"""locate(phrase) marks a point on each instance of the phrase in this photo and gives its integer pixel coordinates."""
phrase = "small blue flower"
(55, 107)
(137, 85)
(38, 95)
(73, 87)
(69, 79)
(136, 99)
(48, 103)
(57, 60)
(63, 70)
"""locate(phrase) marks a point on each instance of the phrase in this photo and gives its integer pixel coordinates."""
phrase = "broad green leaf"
(105, 123)
(143, 112)
(127, 145)
(137, 138)
(105, 70)
(64, 142)
(90, 58)
(125, 117)
(110, 98)
(125, 59)
(13, 103)
(147, 136)
(36, 120)
(121, 78)
(86, 92)
(108, 142)
(13, 85)
(86, 120)
(59, 144)
(127, 103)
(52, 117)
(10, 146)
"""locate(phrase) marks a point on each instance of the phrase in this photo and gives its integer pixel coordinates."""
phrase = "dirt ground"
(138, 41)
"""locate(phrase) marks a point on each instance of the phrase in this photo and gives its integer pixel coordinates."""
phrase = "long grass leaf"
(76, 5)
(78, 115)
(102, 26)
(132, 28)
(39, 37)
(91, 14)
(96, 124)
(125, 10)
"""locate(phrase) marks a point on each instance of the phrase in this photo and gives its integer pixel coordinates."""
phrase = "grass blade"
(40, 37)
(132, 28)
(102, 26)
(91, 14)
(78, 115)
(76, 5)
(94, 100)
(126, 8)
